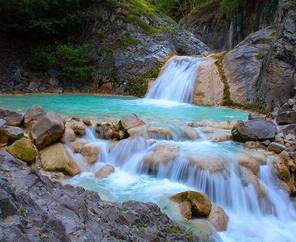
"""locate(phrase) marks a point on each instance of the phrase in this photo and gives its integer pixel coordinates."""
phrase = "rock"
(288, 117)
(77, 145)
(48, 129)
(7, 207)
(9, 134)
(104, 130)
(266, 143)
(254, 130)
(57, 175)
(253, 179)
(252, 145)
(209, 85)
(281, 168)
(185, 210)
(162, 155)
(33, 114)
(206, 162)
(12, 117)
(87, 122)
(208, 131)
(289, 129)
(242, 66)
(69, 136)
(219, 137)
(2, 122)
(216, 125)
(33, 86)
(57, 158)
(255, 116)
(78, 128)
(191, 133)
(204, 230)
(260, 157)
(218, 218)
(75, 119)
(160, 133)
(291, 101)
(118, 134)
(285, 107)
(24, 150)
(130, 121)
(90, 153)
(53, 81)
(105, 171)
(200, 204)
(32, 203)
(276, 147)
(249, 162)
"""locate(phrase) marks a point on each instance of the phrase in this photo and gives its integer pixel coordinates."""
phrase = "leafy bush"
(39, 59)
(76, 63)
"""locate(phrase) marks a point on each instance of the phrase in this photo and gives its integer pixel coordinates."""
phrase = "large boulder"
(12, 117)
(9, 134)
(57, 158)
(276, 147)
(254, 130)
(200, 204)
(24, 150)
(131, 121)
(211, 163)
(105, 171)
(162, 155)
(218, 218)
(48, 129)
(33, 114)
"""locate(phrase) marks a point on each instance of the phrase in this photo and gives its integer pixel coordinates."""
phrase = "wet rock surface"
(34, 208)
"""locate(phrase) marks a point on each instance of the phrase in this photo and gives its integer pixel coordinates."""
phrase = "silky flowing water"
(248, 219)
(198, 164)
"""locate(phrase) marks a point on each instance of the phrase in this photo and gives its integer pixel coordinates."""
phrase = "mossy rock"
(200, 203)
(24, 150)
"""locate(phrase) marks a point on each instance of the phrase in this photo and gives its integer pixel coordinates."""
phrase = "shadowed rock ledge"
(34, 208)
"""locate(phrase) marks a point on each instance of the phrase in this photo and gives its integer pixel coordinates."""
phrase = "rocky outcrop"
(209, 85)
(48, 129)
(34, 208)
(242, 65)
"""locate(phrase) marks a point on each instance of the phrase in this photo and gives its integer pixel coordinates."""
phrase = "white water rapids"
(198, 164)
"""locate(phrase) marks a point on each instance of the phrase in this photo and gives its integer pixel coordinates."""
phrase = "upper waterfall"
(176, 81)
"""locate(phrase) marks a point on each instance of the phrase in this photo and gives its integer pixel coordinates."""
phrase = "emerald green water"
(98, 108)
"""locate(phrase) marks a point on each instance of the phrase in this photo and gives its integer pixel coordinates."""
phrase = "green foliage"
(76, 63)
(39, 59)
(228, 6)
(260, 56)
(234, 132)
(174, 229)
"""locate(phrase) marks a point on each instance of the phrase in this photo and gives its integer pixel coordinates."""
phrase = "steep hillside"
(106, 46)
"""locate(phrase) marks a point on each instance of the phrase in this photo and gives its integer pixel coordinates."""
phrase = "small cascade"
(176, 81)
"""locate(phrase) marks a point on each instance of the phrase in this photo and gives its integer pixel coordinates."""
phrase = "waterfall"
(176, 81)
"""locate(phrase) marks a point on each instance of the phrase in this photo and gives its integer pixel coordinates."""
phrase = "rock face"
(34, 208)
(33, 114)
(243, 64)
(12, 117)
(57, 158)
(254, 130)
(48, 129)
(24, 150)
(200, 204)
(208, 85)
(9, 134)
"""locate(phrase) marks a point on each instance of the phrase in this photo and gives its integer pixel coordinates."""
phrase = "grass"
(260, 56)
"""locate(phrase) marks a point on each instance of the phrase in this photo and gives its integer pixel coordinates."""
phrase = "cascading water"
(176, 81)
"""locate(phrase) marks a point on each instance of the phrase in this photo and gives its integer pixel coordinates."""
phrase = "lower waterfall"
(176, 81)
